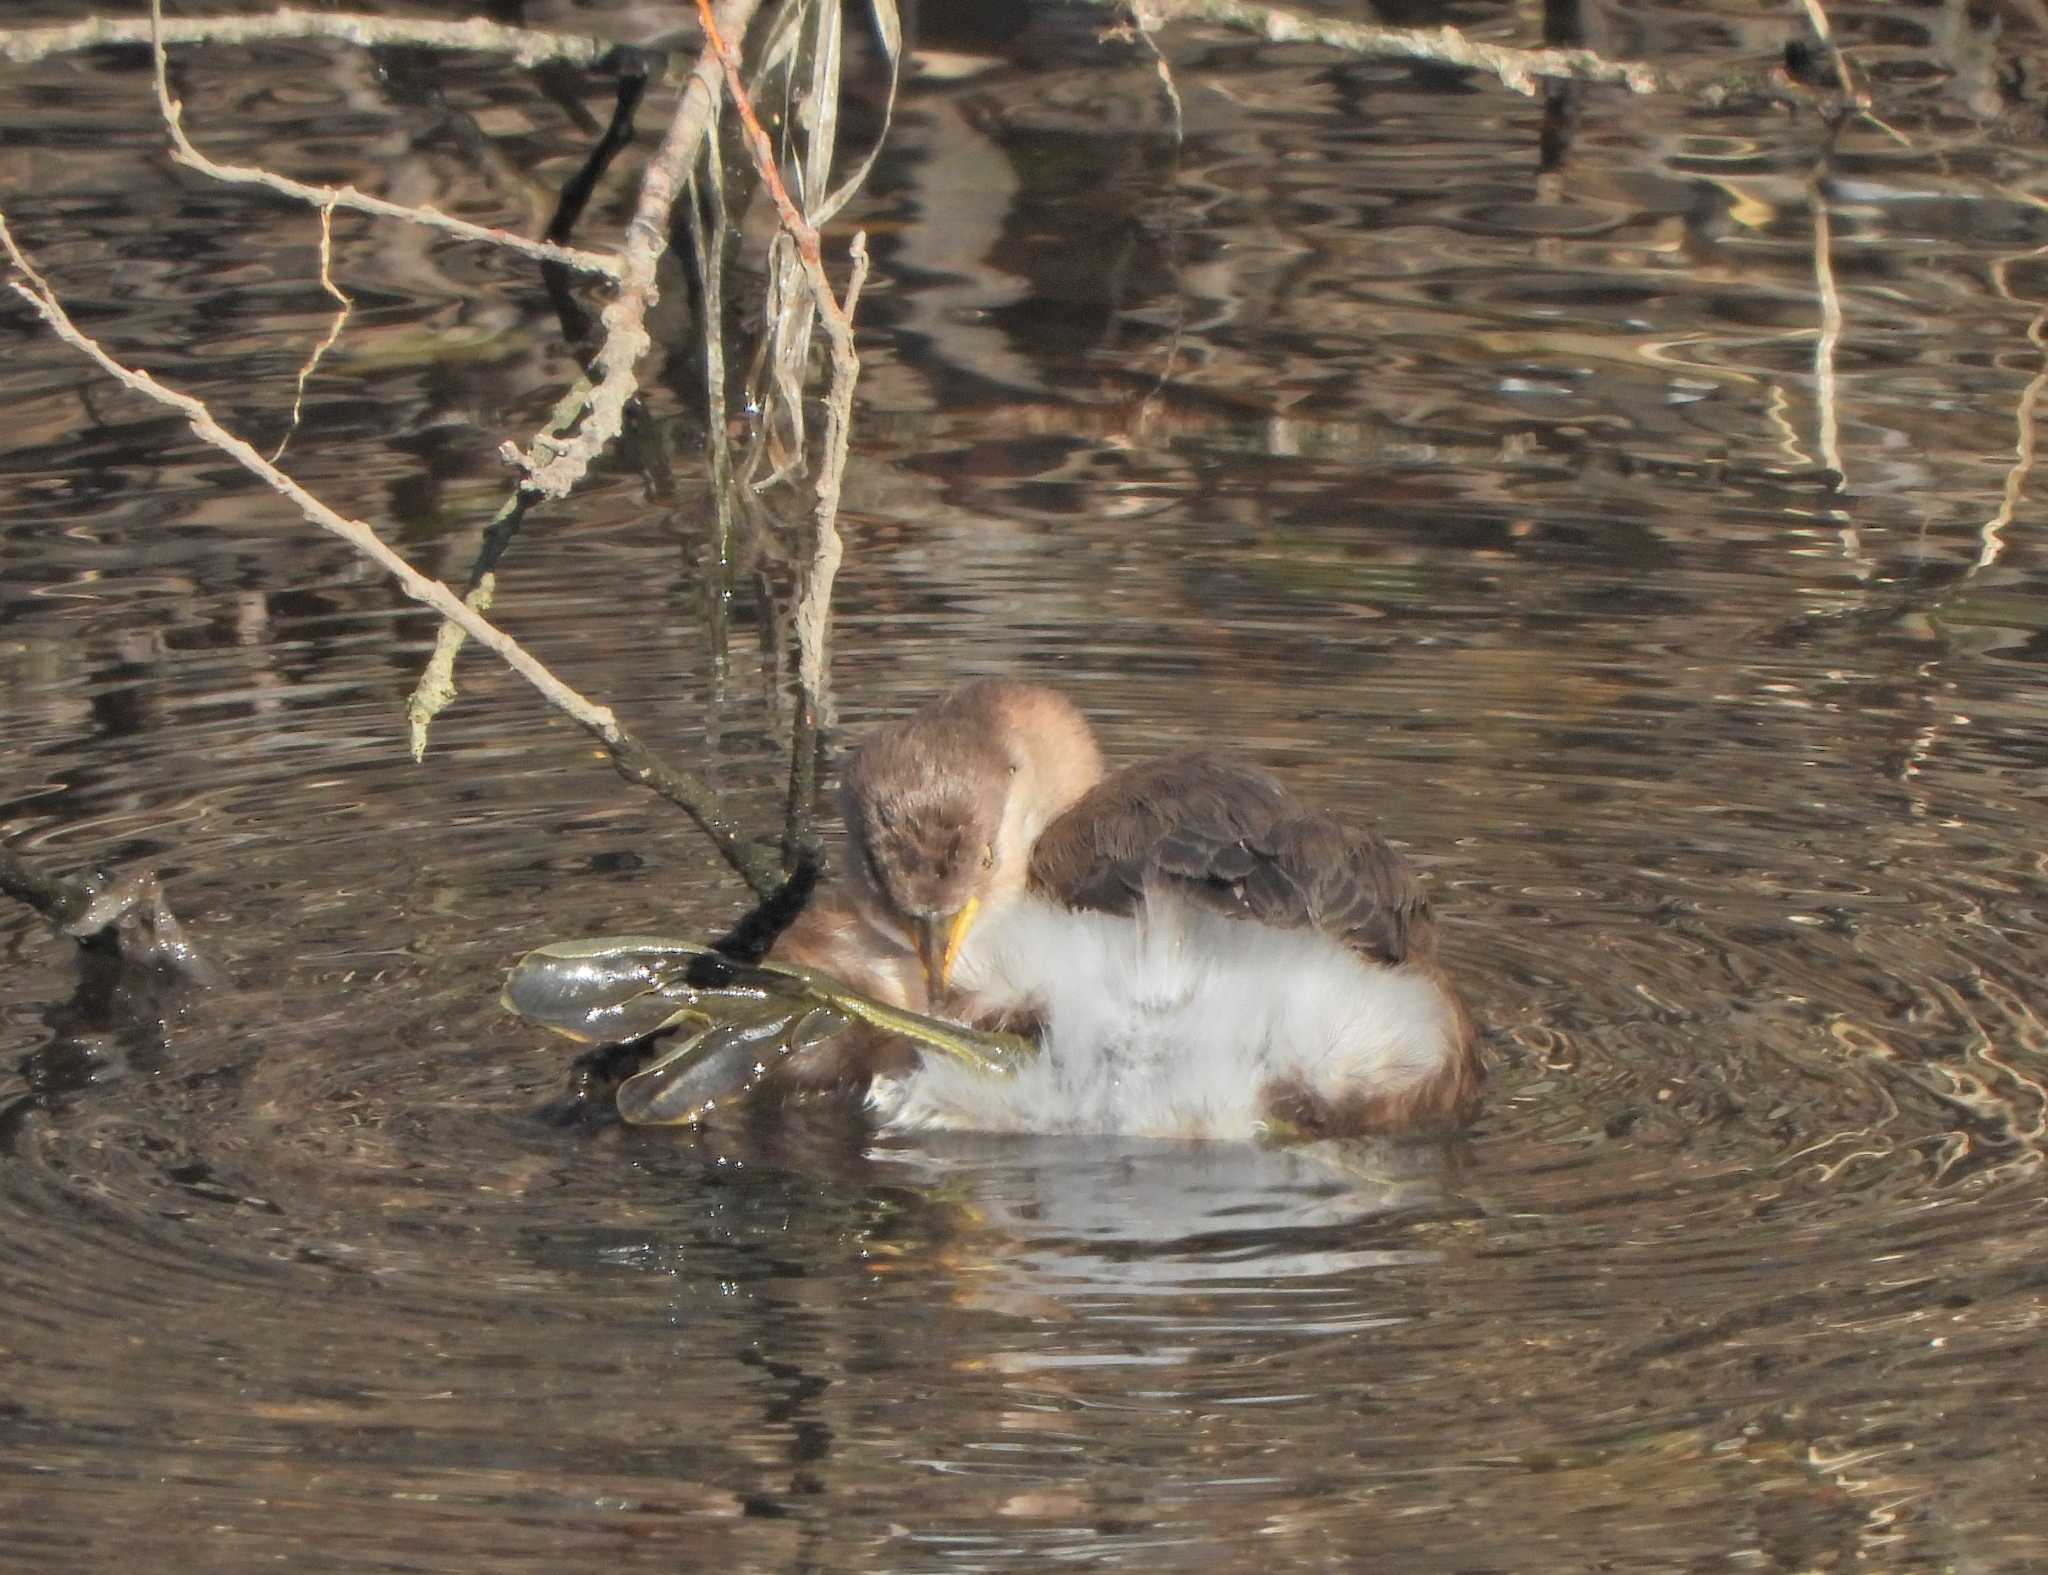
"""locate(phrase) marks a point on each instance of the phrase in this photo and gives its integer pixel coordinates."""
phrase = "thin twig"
(1165, 69)
(814, 611)
(633, 759)
(1991, 534)
(1829, 338)
(1817, 19)
(1779, 414)
(554, 467)
(524, 45)
(55, 900)
(436, 691)
(1517, 69)
(707, 244)
(333, 333)
(1142, 413)
(347, 196)
(837, 317)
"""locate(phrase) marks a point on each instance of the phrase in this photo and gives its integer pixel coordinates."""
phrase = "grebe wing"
(1230, 837)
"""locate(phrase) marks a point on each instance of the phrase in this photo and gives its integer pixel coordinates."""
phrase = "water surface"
(1501, 504)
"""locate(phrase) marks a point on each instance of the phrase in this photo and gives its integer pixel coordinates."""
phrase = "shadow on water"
(1494, 468)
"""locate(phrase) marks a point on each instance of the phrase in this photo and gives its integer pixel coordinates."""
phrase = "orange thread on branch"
(800, 229)
(757, 136)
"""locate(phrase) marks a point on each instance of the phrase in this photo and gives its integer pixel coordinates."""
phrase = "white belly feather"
(1171, 1024)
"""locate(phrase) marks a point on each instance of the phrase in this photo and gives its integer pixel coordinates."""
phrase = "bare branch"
(333, 332)
(57, 901)
(814, 611)
(1817, 19)
(330, 197)
(1991, 534)
(524, 45)
(1516, 68)
(435, 691)
(633, 759)
(554, 467)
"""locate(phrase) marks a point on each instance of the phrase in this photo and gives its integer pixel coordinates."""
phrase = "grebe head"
(943, 807)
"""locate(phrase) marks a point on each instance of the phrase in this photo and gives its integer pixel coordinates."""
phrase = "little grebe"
(1197, 953)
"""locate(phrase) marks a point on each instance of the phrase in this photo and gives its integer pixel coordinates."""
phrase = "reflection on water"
(1096, 1218)
(1485, 494)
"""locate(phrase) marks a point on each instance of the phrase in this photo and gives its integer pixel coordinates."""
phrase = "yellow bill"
(939, 940)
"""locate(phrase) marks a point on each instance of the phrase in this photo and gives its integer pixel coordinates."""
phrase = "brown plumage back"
(1229, 836)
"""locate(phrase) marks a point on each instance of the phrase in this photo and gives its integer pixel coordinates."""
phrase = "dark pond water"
(1487, 499)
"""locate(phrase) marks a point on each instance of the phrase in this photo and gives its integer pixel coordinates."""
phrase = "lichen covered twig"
(553, 466)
